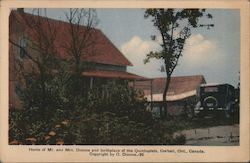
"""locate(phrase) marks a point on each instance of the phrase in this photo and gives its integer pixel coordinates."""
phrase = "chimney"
(21, 10)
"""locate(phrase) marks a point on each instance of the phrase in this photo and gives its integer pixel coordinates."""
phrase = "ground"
(206, 131)
(212, 136)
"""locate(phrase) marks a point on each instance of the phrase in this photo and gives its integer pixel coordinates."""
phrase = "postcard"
(124, 81)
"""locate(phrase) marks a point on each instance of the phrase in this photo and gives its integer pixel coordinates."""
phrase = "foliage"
(15, 123)
(107, 128)
(120, 99)
(23, 126)
(175, 27)
(122, 119)
(178, 140)
(59, 108)
(168, 22)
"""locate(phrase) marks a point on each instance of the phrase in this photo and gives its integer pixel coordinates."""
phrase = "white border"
(212, 154)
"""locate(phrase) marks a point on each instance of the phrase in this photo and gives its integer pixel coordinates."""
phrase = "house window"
(23, 47)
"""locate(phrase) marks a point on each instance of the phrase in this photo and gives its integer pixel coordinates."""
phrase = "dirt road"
(213, 136)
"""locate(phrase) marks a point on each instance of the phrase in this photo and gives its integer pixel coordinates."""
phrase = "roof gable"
(102, 51)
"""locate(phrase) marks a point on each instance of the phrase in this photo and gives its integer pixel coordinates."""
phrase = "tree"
(175, 27)
(81, 30)
(45, 78)
(49, 115)
(79, 45)
(33, 57)
(40, 36)
(37, 46)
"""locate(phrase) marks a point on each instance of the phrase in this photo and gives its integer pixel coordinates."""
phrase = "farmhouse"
(105, 63)
(182, 92)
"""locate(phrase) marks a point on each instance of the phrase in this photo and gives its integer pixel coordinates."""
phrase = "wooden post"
(151, 92)
(91, 82)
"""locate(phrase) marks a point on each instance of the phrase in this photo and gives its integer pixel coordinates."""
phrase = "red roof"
(103, 50)
(178, 84)
(112, 74)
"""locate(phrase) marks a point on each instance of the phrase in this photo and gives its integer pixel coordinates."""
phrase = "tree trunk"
(77, 77)
(42, 80)
(164, 101)
(43, 105)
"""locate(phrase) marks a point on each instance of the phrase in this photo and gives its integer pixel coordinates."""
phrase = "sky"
(213, 53)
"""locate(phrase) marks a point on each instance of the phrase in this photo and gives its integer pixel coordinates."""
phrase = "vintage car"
(215, 99)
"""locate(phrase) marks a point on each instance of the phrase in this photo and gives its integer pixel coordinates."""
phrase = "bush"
(23, 127)
(121, 100)
(179, 140)
(54, 113)
(107, 129)
(16, 131)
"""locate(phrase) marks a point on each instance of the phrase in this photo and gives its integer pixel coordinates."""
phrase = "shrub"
(121, 100)
(94, 116)
(107, 128)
